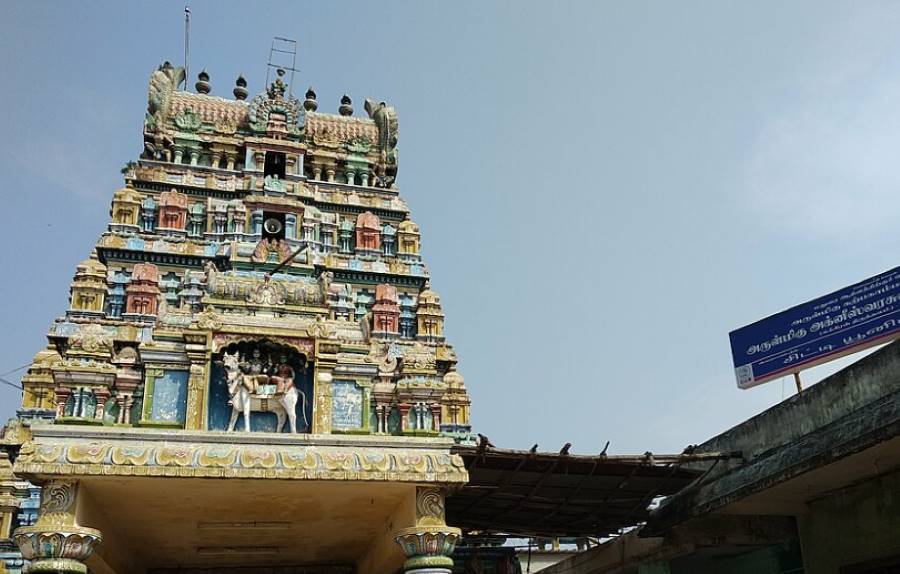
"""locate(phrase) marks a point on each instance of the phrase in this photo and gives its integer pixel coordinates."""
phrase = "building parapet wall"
(848, 413)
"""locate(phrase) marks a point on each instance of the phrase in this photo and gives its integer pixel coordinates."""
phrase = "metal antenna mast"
(187, 44)
(281, 49)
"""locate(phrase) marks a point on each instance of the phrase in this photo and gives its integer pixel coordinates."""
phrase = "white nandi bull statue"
(243, 388)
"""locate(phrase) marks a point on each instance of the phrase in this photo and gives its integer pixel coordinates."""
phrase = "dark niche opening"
(275, 164)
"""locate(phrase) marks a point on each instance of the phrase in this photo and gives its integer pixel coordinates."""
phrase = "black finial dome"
(202, 84)
(346, 109)
(240, 88)
(310, 104)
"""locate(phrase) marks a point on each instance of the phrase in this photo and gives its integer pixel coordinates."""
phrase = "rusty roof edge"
(647, 458)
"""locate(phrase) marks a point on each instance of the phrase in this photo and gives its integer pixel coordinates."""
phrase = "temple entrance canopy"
(164, 501)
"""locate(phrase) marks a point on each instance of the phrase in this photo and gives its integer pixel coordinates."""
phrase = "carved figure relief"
(261, 377)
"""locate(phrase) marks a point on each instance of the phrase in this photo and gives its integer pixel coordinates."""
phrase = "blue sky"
(605, 190)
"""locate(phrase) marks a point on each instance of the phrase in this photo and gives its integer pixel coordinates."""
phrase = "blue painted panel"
(346, 405)
(848, 320)
(170, 397)
(135, 243)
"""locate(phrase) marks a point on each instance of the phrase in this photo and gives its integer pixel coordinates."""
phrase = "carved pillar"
(324, 396)
(102, 395)
(329, 173)
(404, 416)
(379, 419)
(197, 351)
(259, 160)
(62, 396)
(129, 402)
(230, 159)
(436, 416)
(78, 403)
(57, 543)
(429, 544)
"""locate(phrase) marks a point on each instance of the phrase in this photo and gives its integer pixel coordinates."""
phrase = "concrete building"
(812, 485)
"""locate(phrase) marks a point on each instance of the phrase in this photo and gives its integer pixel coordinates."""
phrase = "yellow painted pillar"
(326, 359)
(430, 543)
(57, 543)
(197, 348)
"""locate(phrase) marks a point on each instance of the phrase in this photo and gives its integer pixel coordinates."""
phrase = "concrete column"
(57, 543)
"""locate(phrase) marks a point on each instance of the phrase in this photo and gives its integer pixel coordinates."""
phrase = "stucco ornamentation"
(245, 461)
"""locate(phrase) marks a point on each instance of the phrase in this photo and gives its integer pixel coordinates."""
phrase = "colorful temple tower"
(252, 371)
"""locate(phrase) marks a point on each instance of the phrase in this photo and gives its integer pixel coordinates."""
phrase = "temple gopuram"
(252, 374)
(252, 369)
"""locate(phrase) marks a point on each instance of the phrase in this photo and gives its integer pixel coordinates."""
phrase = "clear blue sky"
(605, 190)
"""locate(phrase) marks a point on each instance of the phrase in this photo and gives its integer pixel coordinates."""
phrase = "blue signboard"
(843, 322)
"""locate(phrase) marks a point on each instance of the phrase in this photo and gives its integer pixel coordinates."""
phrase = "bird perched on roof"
(485, 442)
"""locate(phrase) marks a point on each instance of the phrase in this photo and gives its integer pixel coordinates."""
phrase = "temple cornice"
(76, 451)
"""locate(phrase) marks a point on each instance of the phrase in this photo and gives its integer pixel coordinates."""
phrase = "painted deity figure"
(254, 370)
(283, 375)
(243, 374)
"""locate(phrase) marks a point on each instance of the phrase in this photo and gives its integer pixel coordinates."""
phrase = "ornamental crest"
(274, 250)
(263, 106)
(418, 358)
(187, 120)
(360, 145)
(320, 329)
(92, 338)
(266, 293)
(209, 319)
(226, 126)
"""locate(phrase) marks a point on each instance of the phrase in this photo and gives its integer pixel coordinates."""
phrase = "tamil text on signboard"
(848, 320)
